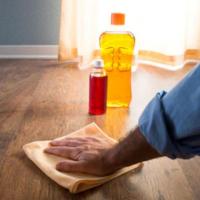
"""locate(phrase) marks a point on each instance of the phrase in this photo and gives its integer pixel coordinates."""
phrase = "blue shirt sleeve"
(171, 121)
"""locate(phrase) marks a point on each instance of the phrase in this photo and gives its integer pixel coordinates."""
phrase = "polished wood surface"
(41, 99)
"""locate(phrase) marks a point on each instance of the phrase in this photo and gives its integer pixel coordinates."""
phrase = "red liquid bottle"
(98, 89)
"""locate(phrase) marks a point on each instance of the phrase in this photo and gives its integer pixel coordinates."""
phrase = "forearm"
(132, 149)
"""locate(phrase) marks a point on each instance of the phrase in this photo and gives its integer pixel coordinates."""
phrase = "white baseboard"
(29, 51)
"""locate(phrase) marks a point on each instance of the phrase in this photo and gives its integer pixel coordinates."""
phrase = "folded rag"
(74, 182)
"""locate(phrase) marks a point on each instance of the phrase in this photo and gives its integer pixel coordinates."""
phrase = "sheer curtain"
(167, 32)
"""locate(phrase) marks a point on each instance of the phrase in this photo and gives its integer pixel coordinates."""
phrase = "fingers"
(74, 142)
(81, 167)
(65, 152)
(66, 143)
(93, 139)
(71, 166)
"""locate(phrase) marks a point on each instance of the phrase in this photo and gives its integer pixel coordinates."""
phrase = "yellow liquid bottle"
(117, 52)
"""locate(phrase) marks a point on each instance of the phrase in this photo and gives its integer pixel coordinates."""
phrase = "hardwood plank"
(192, 173)
(52, 101)
(47, 116)
(18, 81)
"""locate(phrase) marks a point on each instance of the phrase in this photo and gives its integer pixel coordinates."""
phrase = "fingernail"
(47, 150)
(58, 166)
(54, 142)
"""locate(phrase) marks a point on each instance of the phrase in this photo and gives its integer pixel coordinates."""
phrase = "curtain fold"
(167, 32)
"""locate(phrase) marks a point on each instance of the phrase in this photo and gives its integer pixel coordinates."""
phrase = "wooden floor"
(41, 99)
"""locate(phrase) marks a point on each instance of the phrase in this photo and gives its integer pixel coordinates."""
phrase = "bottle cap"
(118, 18)
(98, 63)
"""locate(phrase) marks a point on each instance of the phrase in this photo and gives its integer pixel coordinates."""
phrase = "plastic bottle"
(97, 89)
(117, 52)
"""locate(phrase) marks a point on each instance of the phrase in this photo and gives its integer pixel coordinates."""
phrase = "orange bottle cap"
(118, 18)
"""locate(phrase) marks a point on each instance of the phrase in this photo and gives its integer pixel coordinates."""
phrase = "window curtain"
(167, 32)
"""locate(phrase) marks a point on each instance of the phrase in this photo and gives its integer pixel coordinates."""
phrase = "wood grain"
(42, 99)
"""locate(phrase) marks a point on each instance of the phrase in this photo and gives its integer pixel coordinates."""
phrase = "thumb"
(70, 166)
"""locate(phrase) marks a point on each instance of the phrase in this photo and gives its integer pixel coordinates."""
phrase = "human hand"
(87, 155)
(99, 157)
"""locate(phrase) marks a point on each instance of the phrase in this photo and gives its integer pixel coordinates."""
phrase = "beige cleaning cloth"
(74, 182)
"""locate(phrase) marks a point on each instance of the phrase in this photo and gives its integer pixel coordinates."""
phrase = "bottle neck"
(98, 72)
(117, 28)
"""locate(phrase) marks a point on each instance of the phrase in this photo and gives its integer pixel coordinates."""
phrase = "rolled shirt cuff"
(154, 125)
